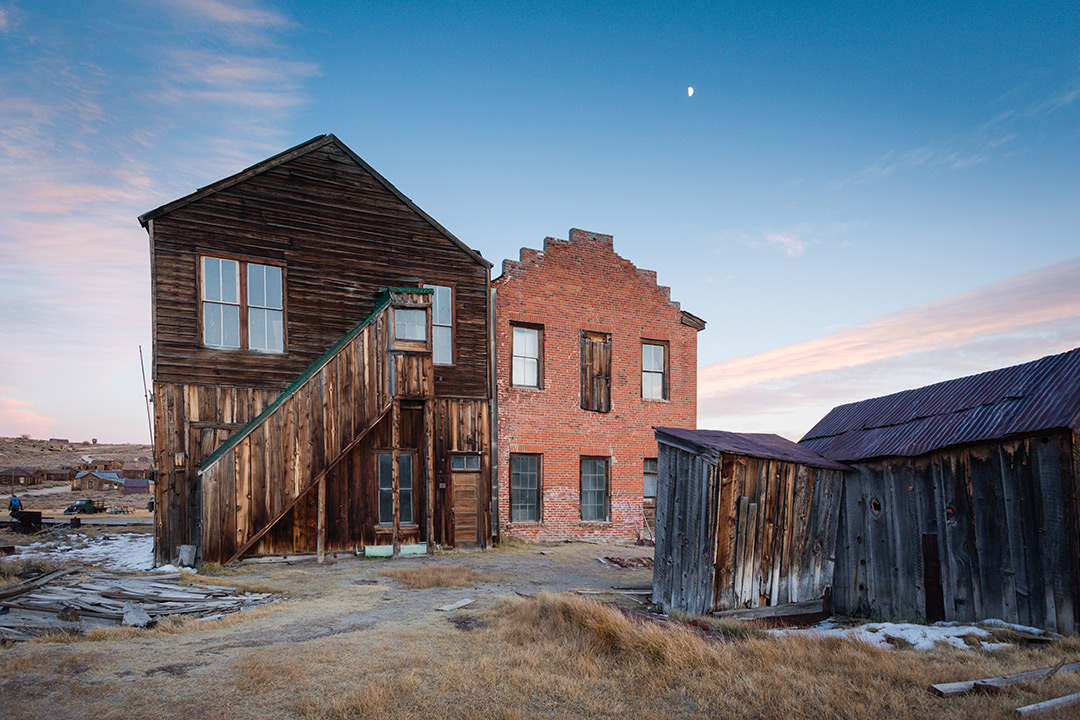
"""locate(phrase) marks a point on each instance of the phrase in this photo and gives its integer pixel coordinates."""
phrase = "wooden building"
(18, 477)
(963, 499)
(582, 379)
(98, 480)
(322, 365)
(743, 520)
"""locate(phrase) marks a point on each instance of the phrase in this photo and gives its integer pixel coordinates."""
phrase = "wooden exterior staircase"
(262, 471)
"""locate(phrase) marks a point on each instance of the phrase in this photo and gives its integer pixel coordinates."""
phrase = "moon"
(690, 92)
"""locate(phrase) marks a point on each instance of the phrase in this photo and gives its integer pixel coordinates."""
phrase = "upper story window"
(242, 305)
(410, 324)
(654, 375)
(442, 325)
(595, 371)
(527, 369)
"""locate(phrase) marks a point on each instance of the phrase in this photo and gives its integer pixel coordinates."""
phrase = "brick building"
(592, 353)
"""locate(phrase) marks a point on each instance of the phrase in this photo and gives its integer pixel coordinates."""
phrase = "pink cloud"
(1047, 294)
(17, 418)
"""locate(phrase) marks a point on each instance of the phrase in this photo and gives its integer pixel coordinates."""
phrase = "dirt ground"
(347, 641)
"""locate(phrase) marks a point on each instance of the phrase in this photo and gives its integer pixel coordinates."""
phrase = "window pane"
(405, 483)
(652, 386)
(229, 277)
(256, 286)
(230, 325)
(410, 324)
(405, 471)
(443, 306)
(457, 462)
(472, 462)
(275, 330)
(442, 351)
(211, 323)
(386, 488)
(650, 465)
(652, 357)
(211, 279)
(525, 342)
(257, 328)
(273, 286)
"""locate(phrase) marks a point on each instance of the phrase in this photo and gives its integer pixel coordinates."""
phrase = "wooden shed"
(322, 366)
(963, 499)
(743, 520)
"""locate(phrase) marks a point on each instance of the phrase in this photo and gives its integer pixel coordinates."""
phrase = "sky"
(858, 198)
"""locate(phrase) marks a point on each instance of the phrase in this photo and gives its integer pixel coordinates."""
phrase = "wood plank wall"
(190, 421)
(341, 236)
(735, 531)
(461, 425)
(1004, 518)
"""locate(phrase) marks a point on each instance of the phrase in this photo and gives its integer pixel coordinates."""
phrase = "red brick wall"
(574, 285)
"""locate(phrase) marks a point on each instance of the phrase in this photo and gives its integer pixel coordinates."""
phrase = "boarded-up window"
(594, 489)
(386, 487)
(649, 478)
(595, 371)
(524, 488)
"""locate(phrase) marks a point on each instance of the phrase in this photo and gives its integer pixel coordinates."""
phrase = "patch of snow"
(994, 622)
(920, 637)
(175, 569)
(995, 646)
(123, 551)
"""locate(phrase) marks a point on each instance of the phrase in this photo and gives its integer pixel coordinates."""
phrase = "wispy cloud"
(788, 244)
(234, 13)
(1008, 321)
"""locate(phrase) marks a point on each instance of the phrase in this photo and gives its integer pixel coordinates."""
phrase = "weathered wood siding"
(1001, 519)
(734, 531)
(461, 425)
(341, 235)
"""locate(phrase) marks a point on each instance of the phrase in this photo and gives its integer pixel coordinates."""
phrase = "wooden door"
(465, 487)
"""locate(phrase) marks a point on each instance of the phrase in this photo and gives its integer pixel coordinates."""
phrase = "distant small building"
(92, 464)
(136, 486)
(54, 474)
(15, 477)
(743, 520)
(98, 480)
(138, 469)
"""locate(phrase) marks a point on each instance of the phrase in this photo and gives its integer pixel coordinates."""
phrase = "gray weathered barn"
(962, 503)
(742, 520)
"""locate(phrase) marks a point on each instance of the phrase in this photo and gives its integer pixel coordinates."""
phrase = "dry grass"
(251, 586)
(436, 576)
(258, 670)
(14, 570)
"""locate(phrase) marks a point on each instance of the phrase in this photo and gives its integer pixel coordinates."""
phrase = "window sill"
(526, 388)
(223, 348)
(661, 401)
(600, 523)
(388, 528)
(526, 523)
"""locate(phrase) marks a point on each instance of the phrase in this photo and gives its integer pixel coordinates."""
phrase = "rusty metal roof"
(1040, 395)
(759, 445)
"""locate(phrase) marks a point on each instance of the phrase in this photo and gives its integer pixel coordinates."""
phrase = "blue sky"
(858, 198)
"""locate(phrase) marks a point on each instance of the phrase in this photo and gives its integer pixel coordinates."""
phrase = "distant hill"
(33, 454)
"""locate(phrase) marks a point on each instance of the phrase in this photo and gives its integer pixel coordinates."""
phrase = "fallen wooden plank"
(774, 611)
(1049, 706)
(960, 688)
(456, 605)
(36, 582)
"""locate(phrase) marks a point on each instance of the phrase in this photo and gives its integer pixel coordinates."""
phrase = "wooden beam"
(1049, 706)
(429, 461)
(960, 688)
(304, 491)
(321, 541)
(395, 442)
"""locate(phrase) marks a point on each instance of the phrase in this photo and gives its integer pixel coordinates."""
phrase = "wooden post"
(395, 421)
(429, 452)
(321, 542)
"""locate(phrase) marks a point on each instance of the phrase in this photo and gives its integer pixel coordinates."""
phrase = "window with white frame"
(442, 325)
(242, 305)
(527, 367)
(653, 371)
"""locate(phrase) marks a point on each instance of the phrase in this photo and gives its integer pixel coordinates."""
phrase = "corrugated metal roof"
(759, 445)
(1040, 395)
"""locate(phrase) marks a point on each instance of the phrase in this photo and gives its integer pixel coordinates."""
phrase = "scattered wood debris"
(627, 563)
(1002, 681)
(55, 602)
(456, 605)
